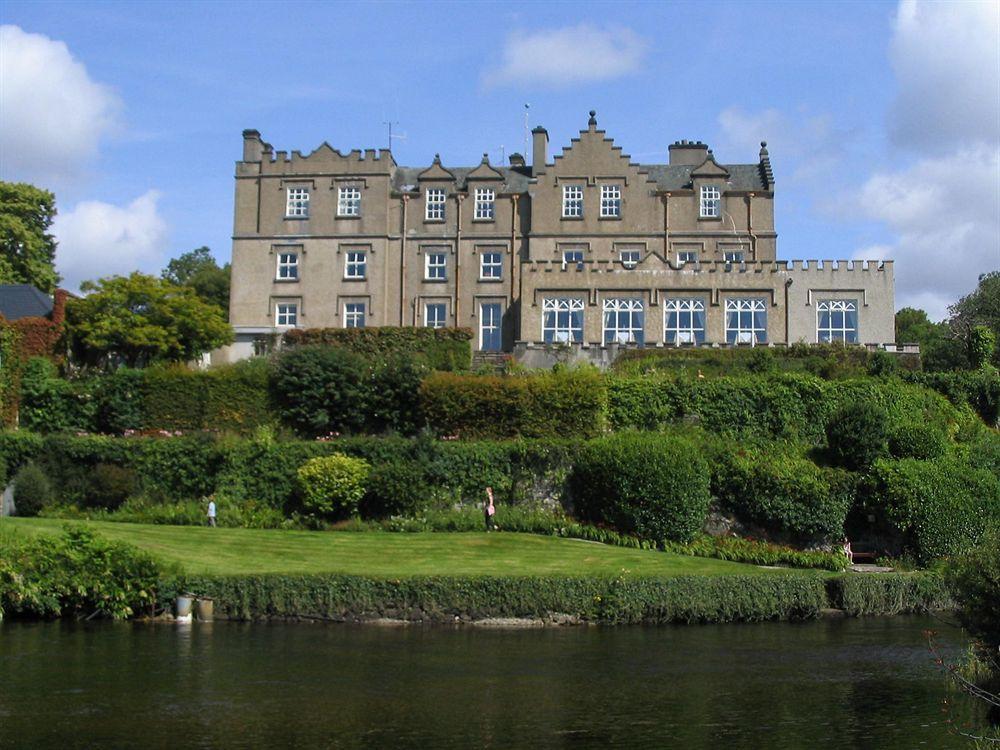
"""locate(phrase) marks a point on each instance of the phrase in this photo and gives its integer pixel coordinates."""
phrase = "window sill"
(435, 281)
(338, 217)
(609, 218)
(572, 218)
(434, 221)
(484, 221)
(709, 218)
(286, 281)
(490, 281)
(355, 278)
(296, 218)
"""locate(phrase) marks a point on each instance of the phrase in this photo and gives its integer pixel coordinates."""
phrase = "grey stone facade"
(587, 249)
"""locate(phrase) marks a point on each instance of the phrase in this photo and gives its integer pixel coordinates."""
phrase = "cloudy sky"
(882, 119)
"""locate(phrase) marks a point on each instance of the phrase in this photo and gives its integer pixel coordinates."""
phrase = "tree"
(139, 320)
(939, 349)
(978, 308)
(197, 269)
(27, 250)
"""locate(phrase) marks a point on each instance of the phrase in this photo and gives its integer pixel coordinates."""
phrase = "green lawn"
(235, 551)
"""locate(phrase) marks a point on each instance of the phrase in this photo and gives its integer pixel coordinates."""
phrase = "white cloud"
(945, 215)
(101, 239)
(946, 57)
(567, 56)
(52, 114)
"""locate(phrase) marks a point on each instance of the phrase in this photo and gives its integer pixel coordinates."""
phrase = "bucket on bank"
(183, 606)
(204, 609)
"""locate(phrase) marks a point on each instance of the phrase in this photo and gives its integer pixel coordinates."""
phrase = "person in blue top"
(211, 512)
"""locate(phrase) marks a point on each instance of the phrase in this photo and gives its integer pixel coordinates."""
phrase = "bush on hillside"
(940, 507)
(917, 440)
(654, 486)
(395, 394)
(321, 389)
(856, 435)
(784, 493)
(332, 486)
(110, 486)
(974, 579)
(50, 403)
(32, 491)
(442, 348)
(397, 488)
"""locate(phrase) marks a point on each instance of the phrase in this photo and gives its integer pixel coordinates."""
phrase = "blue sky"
(874, 112)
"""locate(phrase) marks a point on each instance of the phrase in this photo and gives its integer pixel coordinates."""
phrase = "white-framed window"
(630, 258)
(286, 314)
(436, 266)
(491, 265)
(746, 321)
(485, 198)
(711, 202)
(611, 201)
(562, 320)
(733, 256)
(837, 320)
(684, 320)
(687, 256)
(435, 314)
(490, 327)
(434, 206)
(288, 266)
(572, 204)
(354, 315)
(348, 201)
(573, 258)
(355, 264)
(624, 321)
(297, 202)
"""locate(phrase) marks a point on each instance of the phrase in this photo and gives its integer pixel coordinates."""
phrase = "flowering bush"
(332, 485)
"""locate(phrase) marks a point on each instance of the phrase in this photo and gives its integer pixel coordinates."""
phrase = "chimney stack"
(540, 148)
(253, 146)
(690, 153)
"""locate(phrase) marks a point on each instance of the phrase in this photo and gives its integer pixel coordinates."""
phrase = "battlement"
(654, 263)
(323, 158)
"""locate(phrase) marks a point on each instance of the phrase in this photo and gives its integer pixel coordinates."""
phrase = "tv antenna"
(399, 137)
(527, 107)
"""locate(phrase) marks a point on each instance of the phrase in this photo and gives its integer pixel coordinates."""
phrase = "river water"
(830, 684)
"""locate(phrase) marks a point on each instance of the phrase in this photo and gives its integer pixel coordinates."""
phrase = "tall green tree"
(939, 349)
(27, 250)
(978, 308)
(138, 320)
(197, 269)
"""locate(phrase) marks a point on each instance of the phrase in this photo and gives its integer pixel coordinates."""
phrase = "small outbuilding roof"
(23, 301)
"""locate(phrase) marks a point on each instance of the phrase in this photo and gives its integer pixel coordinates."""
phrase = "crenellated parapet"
(654, 263)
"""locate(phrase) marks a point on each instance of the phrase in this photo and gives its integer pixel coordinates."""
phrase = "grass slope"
(249, 551)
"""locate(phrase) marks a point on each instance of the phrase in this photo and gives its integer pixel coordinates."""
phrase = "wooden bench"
(858, 556)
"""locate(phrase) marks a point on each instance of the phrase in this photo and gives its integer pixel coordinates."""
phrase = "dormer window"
(572, 205)
(711, 202)
(611, 201)
(297, 203)
(434, 207)
(485, 198)
(348, 201)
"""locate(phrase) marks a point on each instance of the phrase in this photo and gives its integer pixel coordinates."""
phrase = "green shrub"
(321, 390)
(79, 573)
(888, 594)
(757, 552)
(395, 394)
(119, 402)
(917, 440)
(974, 579)
(443, 348)
(395, 488)
(546, 405)
(940, 507)
(856, 435)
(332, 486)
(50, 403)
(110, 486)
(783, 492)
(978, 389)
(32, 491)
(656, 487)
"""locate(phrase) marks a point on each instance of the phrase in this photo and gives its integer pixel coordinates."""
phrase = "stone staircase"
(494, 360)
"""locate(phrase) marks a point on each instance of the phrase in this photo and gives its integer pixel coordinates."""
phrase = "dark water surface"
(830, 684)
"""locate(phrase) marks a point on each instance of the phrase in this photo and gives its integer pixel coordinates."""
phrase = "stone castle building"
(587, 248)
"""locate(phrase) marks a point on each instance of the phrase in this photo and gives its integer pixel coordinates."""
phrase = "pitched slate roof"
(678, 176)
(23, 301)
(514, 181)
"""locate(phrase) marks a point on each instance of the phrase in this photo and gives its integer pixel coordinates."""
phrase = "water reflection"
(844, 684)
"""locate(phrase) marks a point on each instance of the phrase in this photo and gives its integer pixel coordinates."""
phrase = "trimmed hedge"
(552, 404)
(687, 599)
(443, 348)
(649, 485)
(978, 389)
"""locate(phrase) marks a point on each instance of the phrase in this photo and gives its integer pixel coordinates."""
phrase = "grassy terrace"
(249, 551)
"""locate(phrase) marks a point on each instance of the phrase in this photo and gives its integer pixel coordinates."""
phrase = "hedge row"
(621, 600)
(686, 599)
(443, 348)
(233, 397)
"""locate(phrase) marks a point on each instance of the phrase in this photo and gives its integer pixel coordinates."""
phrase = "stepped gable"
(592, 138)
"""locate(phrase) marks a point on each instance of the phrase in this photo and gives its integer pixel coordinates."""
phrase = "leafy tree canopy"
(979, 308)
(27, 250)
(197, 269)
(139, 320)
